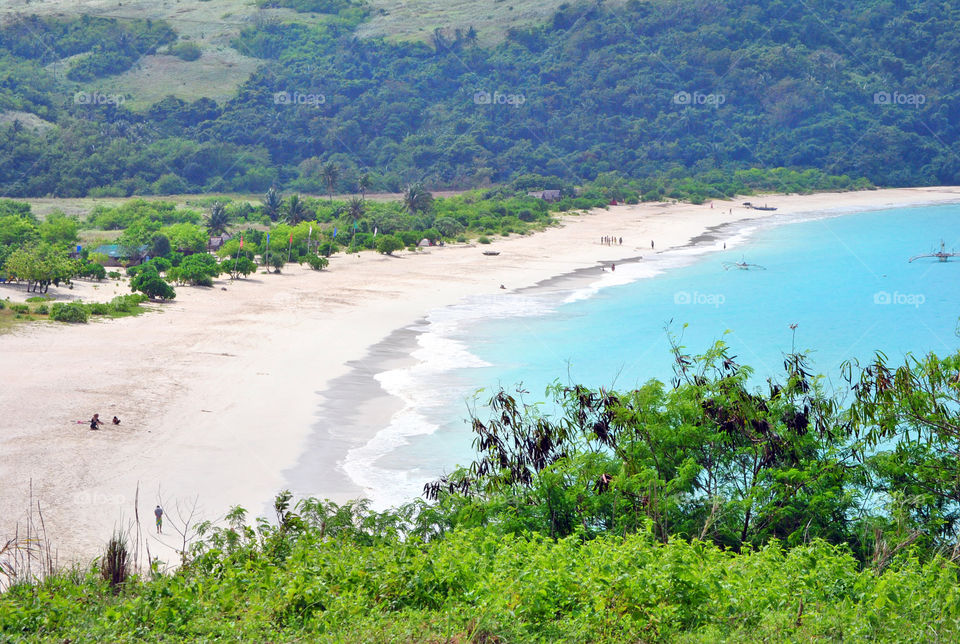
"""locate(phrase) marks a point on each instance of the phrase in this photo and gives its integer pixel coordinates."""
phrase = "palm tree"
(417, 199)
(272, 201)
(330, 173)
(363, 184)
(355, 208)
(296, 210)
(218, 220)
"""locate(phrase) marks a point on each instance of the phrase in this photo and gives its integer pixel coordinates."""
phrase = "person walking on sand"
(158, 512)
(95, 422)
(651, 243)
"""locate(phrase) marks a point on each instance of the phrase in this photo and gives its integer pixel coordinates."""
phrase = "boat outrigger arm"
(743, 266)
(942, 255)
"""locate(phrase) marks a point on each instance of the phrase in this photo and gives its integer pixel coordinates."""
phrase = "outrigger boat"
(743, 266)
(942, 255)
(747, 204)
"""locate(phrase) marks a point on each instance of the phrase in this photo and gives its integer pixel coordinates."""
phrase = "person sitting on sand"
(95, 422)
(116, 421)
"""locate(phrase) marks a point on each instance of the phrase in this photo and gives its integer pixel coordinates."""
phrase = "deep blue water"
(844, 281)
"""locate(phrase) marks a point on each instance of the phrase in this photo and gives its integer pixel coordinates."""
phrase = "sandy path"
(217, 391)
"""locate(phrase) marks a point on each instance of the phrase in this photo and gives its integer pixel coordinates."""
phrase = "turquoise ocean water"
(843, 280)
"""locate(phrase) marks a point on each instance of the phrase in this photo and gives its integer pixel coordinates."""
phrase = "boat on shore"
(491, 252)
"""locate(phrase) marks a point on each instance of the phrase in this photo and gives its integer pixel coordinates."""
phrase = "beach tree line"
(279, 227)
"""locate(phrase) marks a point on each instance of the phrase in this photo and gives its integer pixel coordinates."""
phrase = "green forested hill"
(643, 88)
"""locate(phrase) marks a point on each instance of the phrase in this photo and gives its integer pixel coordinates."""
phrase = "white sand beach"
(218, 390)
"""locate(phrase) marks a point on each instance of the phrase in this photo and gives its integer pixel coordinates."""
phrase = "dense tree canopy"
(644, 88)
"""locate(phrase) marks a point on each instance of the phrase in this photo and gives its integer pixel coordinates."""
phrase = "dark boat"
(747, 204)
(491, 252)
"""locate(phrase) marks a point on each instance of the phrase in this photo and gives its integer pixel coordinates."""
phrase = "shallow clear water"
(844, 281)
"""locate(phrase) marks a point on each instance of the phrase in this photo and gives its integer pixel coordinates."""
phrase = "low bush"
(388, 244)
(93, 270)
(317, 262)
(127, 303)
(152, 285)
(186, 50)
(76, 312)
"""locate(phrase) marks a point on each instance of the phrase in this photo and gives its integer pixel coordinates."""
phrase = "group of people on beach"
(611, 240)
(95, 422)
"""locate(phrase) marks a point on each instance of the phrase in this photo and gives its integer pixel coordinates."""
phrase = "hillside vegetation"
(643, 88)
(492, 19)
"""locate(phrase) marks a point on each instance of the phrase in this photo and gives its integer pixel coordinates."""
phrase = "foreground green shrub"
(316, 262)
(72, 312)
(238, 267)
(127, 303)
(318, 577)
(149, 282)
(388, 244)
